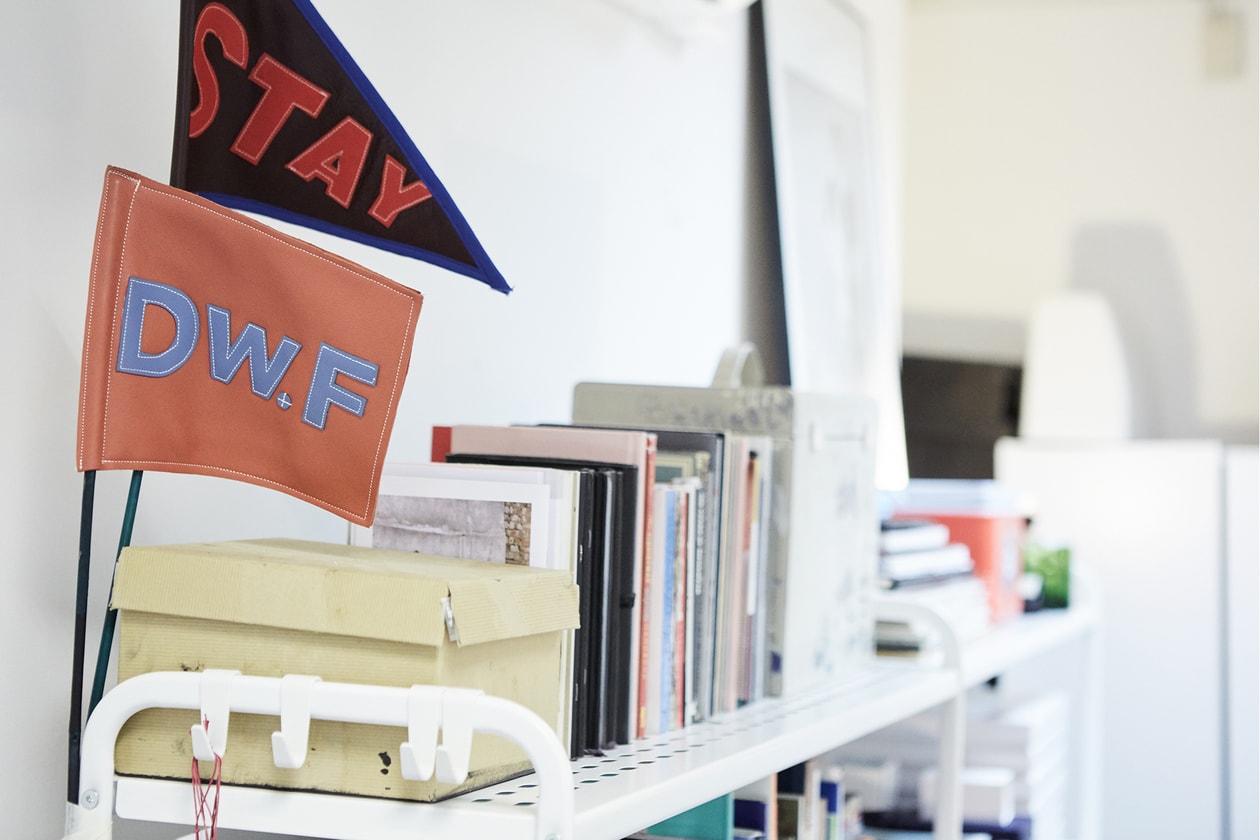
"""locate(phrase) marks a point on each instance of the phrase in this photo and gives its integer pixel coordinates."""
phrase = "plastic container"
(985, 516)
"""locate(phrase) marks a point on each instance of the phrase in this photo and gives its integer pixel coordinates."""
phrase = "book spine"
(691, 712)
(638, 646)
(678, 704)
(664, 629)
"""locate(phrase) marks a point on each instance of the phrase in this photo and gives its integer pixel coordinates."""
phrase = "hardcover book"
(449, 511)
(629, 448)
(700, 458)
(741, 652)
(905, 566)
(683, 707)
(896, 535)
(757, 806)
(606, 584)
(658, 605)
(512, 515)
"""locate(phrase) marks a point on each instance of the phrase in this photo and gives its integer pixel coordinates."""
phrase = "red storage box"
(983, 515)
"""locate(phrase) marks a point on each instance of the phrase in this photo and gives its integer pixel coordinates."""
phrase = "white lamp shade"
(1076, 379)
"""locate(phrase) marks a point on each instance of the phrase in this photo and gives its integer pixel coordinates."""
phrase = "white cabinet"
(1148, 517)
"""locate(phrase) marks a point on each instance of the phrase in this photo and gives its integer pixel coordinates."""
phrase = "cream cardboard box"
(345, 614)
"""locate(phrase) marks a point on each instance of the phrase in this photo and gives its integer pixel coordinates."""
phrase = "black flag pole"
(111, 615)
(80, 634)
(80, 622)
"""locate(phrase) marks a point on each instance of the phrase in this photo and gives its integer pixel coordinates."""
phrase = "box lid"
(782, 413)
(957, 497)
(345, 590)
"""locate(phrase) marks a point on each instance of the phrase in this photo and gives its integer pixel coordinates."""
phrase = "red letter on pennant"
(214, 20)
(337, 159)
(285, 90)
(394, 197)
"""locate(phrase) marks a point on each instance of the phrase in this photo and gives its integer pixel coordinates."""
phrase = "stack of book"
(526, 516)
(920, 564)
(808, 801)
(665, 533)
(913, 552)
(1028, 735)
(1014, 776)
(987, 517)
(805, 802)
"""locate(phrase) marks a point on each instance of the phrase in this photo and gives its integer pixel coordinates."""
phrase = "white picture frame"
(841, 305)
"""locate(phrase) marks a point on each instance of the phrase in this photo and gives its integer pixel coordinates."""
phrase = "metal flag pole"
(80, 622)
(80, 634)
(111, 615)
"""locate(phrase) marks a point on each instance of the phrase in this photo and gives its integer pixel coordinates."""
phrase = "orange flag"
(217, 345)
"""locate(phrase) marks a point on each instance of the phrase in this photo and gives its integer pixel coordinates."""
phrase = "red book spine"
(440, 444)
(680, 616)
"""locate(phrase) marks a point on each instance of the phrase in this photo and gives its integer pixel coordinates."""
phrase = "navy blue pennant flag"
(273, 116)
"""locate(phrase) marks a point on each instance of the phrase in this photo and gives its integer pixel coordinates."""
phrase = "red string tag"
(206, 796)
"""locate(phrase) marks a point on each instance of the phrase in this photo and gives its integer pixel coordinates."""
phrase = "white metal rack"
(595, 798)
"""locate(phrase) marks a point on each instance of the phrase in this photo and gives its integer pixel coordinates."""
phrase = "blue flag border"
(484, 270)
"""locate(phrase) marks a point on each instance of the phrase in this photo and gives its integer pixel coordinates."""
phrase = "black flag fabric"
(273, 116)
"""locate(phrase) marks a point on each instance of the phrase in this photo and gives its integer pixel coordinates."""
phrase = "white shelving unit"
(619, 793)
(1026, 638)
(1021, 643)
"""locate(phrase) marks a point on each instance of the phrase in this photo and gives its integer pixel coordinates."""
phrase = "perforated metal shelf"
(616, 794)
(635, 786)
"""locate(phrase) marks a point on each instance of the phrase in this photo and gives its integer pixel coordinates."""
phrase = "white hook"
(457, 732)
(424, 714)
(209, 735)
(288, 746)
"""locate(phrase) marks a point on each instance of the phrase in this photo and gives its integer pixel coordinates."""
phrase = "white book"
(632, 448)
(655, 596)
(896, 535)
(479, 514)
(950, 559)
(499, 514)
(988, 794)
(691, 489)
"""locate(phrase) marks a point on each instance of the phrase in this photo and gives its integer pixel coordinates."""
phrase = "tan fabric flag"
(217, 345)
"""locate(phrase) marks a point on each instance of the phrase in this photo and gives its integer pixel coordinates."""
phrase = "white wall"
(603, 162)
(1064, 143)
